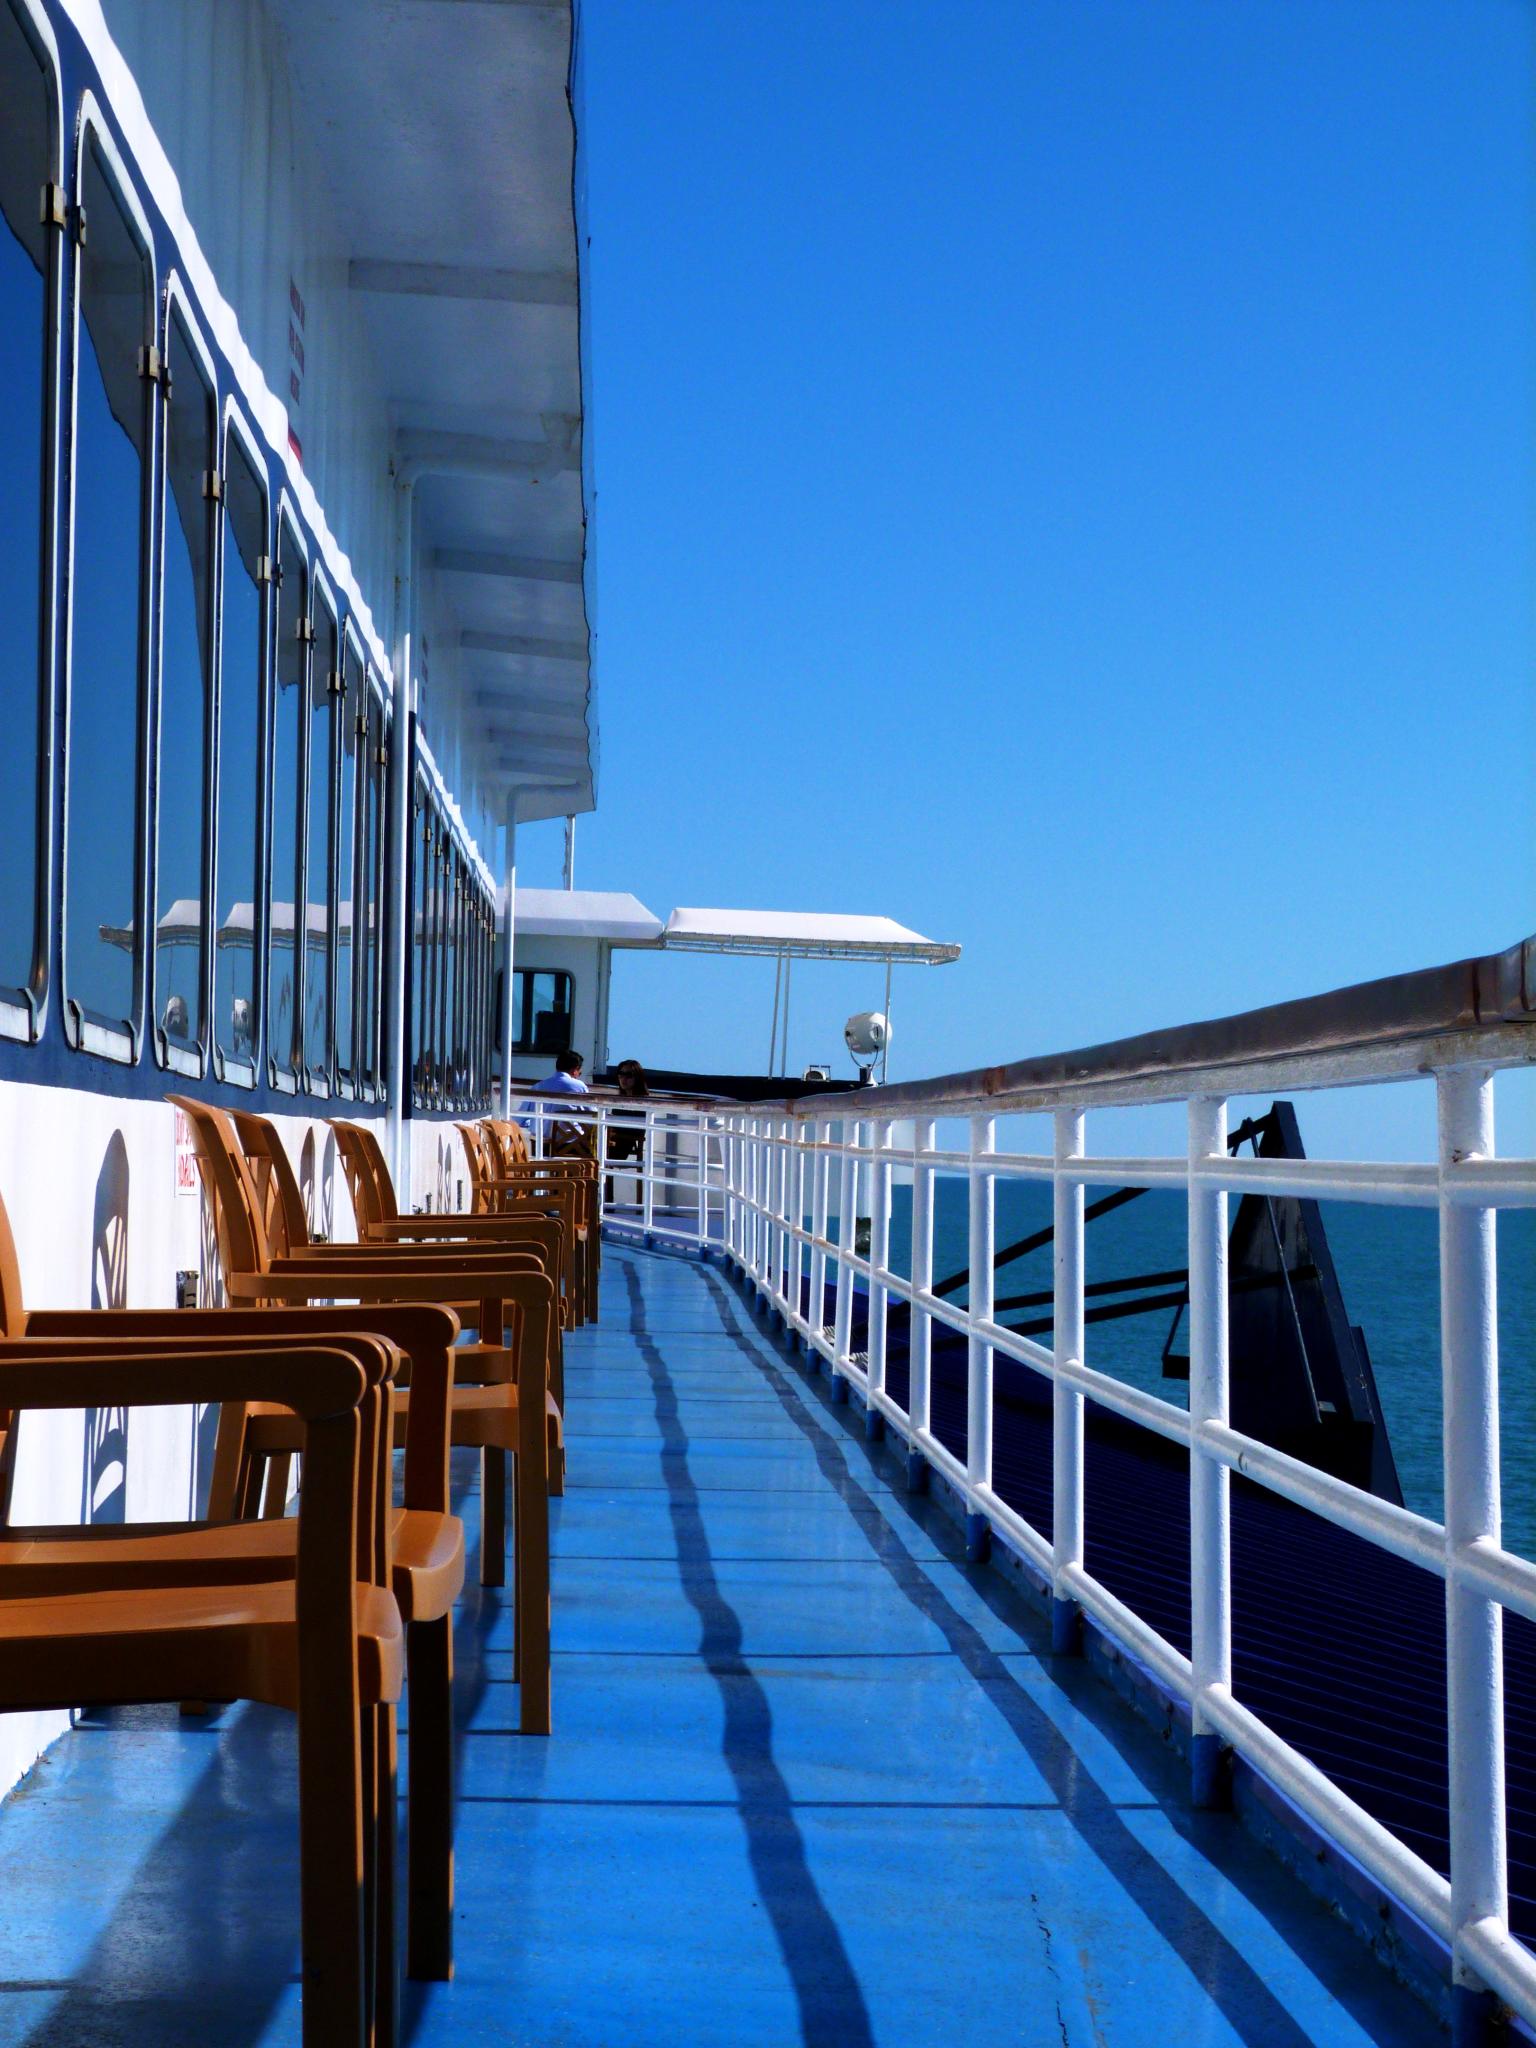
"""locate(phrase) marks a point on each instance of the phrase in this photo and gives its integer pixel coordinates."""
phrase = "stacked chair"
(450, 1335)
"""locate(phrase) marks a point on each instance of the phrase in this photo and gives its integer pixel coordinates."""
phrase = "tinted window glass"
(421, 1030)
(285, 1017)
(186, 655)
(111, 432)
(542, 1010)
(241, 666)
(324, 697)
(377, 756)
(24, 155)
(453, 1044)
(348, 714)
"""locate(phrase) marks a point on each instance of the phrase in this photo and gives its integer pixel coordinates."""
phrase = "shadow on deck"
(813, 1780)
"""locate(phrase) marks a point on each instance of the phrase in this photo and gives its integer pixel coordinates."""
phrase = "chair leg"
(556, 1460)
(532, 1596)
(227, 1479)
(248, 1500)
(386, 1961)
(493, 1516)
(517, 1551)
(331, 1814)
(429, 1646)
(275, 1496)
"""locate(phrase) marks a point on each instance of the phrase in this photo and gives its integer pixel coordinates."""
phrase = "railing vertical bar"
(880, 1260)
(847, 1203)
(821, 1175)
(1210, 1561)
(920, 1329)
(1067, 1345)
(978, 1406)
(1469, 1354)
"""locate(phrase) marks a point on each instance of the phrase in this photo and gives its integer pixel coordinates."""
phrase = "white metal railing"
(746, 1179)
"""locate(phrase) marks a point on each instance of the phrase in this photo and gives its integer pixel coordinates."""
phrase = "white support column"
(1469, 1360)
(920, 1339)
(508, 962)
(1210, 1536)
(978, 1405)
(847, 1205)
(1066, 1403)
(880, 1260)
(396, 947)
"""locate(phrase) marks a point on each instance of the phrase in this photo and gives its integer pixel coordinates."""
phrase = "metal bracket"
(55, 211)
(336, 683)
(268, 571)
(213, 486)
(306, 631)
(151, 364)
(79, 223)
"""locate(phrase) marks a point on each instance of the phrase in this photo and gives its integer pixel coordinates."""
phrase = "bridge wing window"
(541, 1014)
(324, 703)
(186, 669)
(24, 279)
(377, 774)
(113, 331)
(241, 670)
(285, 1020)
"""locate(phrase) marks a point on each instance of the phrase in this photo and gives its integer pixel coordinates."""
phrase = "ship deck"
(813, 1780)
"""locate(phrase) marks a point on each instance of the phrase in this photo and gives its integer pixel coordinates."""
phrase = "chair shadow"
(104, 1478)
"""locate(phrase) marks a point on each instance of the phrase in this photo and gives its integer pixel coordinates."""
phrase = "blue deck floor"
(812, 1781)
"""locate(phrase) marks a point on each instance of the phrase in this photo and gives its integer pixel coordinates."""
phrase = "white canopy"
(802, 935)
(610, 914)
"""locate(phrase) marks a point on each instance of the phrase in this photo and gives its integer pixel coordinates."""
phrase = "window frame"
(178, 304)
(236, 1072)
(346, 1079)
(24, 1007)
(374, 1083)
(117, 1039)
(286, 1080)
(525, 1048)
(319, 1077)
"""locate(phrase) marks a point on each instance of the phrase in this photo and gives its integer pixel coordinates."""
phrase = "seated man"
(564, 1138)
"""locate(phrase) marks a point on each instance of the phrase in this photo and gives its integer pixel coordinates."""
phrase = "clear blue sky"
(1065, 480)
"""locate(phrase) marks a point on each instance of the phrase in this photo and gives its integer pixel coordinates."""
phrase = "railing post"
(1066, 1402)
(1210, 1551)
(821, 1175)
(735, 1211)
(847, 1204)
(701, 1176)
(602, 1164)
(783, 1139)
(880, 1260)
(978, 1405)
(648, 1174)
(920, 1329)
(1474, 1645)
(797, 1219)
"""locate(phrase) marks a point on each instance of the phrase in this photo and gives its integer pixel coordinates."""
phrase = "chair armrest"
(315, 1382)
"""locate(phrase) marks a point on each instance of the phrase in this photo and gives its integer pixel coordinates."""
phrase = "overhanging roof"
(447, 138)
(801, 935)
(609, 914)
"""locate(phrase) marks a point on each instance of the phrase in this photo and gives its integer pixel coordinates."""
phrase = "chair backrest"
(277, 1185)
(227, 1181)
(482, 1168)
(368, 1176)
(13, 1314)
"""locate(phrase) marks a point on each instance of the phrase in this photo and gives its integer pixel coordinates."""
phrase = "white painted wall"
(89, 1185)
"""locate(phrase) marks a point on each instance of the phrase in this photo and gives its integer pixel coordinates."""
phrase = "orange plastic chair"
(324, 1641)
(507, 1417)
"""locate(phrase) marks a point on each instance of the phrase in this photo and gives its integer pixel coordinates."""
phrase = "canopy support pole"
(773, 1028)
(789, 961)
(885, 1050)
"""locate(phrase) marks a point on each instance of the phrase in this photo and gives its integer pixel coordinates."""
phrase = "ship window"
(324, 702)
(541, 1015)
(25, 160)
(102, 755)
(349, 712)
(242, 650)
(377, 767)
(284, 993)
(453, 1035)
(186, 665)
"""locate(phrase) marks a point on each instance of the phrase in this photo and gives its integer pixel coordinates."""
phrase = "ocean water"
(1388, 1272)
